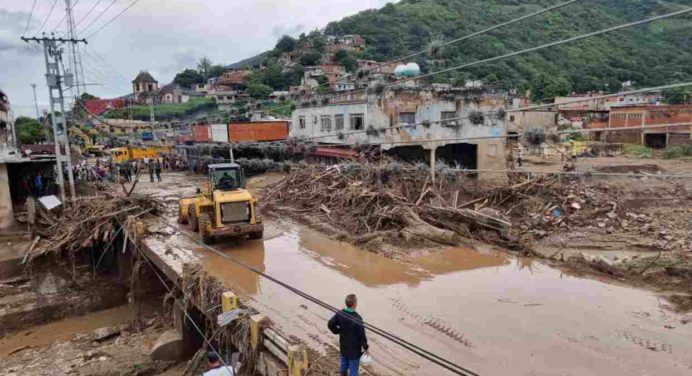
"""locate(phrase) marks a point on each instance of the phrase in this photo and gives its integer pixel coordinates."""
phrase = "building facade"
(415, 124)
(145, 88)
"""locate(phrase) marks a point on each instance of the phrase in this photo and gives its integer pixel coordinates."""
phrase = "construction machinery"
(89, 146)
(125, 154)
(222, 207)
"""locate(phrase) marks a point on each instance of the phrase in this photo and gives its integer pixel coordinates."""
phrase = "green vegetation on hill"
(164, 111)
(649, 55)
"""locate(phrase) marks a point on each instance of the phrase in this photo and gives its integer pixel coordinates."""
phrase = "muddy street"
(488, 311)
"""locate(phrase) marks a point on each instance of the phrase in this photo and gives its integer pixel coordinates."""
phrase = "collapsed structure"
(460, 126)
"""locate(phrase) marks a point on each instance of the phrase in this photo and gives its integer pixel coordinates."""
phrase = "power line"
(64, 17)
(88, 13)
(477, 33)
(521, 109)
(107, 64)
(180, 306)
(532, 49)
(442, 362)
(47, 17)
(113, 19)
(28, 21)
(98, 16)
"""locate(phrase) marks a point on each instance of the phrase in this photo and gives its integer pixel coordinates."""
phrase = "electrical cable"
(28, 21)
(98, 16)
(528, 50)
(47, 17)
(112, 19)
(450, 366)
(182, 308)
(520, 109)
(64, 17)
(87, 13)
(477, 33)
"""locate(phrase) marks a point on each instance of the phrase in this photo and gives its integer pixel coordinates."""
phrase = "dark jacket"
(349, 327)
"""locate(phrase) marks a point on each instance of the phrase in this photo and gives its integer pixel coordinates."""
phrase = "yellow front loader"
(222, 207)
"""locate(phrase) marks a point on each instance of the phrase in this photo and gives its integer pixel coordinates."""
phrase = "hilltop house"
(145, 88)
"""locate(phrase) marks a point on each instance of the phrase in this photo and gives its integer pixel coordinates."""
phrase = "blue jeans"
(349, 365)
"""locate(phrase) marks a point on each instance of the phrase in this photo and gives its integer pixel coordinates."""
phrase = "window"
(357, 122)
(407, 118)
(445, 116)
(325, 123)
(339, 122)
(301, 122)
(636, 116)
(511, 118)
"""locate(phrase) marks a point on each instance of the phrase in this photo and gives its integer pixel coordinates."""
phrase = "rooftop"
(144, 77)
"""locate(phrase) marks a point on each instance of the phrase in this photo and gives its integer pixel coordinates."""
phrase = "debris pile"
(389, 201)
(87, 222)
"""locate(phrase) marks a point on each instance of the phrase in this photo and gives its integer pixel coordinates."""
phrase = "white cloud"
(162, 36)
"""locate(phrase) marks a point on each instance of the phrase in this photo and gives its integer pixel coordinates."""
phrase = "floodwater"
(65, 329)
(491, 313)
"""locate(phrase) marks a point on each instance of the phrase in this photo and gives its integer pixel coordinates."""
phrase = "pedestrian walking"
(38, 183)
(348, 324)
(151, 172)
(216, 368)
(157, 169)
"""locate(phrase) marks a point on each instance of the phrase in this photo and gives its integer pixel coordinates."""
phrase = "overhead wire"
(87, 13)
(64, 17)
(50, 12)
(113, 19)
(442, 362)
(207, 341)
(512, 110)
(528, 50)
(477, 33)
(97, 17)
(28, 20)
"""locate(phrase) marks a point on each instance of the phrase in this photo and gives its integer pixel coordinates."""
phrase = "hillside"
(649, 55)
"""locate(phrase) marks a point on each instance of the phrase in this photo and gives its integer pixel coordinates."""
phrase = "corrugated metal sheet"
(258, 131)
(219, 133)
(201, 133)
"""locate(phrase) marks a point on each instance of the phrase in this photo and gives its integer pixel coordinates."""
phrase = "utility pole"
(52, 52)
(33, 86)
(72, 47)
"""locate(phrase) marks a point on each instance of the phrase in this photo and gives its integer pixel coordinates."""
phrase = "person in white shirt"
(216, 368)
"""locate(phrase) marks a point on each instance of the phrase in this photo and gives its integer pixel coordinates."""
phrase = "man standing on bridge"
(352, 341)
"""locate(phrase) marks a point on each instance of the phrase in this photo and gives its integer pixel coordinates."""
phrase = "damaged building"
(461, 127)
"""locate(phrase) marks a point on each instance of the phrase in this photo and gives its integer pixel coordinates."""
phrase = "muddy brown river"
(492, 313)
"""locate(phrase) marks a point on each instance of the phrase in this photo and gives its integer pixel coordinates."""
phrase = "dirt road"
(490, 312)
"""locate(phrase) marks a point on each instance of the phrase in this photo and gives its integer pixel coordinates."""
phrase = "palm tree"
(204, 66)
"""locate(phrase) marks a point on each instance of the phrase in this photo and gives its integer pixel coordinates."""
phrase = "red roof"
(233, 77)
(99, 106)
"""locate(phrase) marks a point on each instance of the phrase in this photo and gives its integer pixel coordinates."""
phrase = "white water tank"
(407, 70)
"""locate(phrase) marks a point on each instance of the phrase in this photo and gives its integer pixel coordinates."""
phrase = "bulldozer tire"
(192, 218)
(205, 227)
(257, 235)
(181, 217)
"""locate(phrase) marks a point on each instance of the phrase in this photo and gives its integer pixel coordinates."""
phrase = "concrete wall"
(6, 212)
(382, 115)
(532, 119)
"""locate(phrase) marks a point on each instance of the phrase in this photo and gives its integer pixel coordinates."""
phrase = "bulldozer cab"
(226, 177)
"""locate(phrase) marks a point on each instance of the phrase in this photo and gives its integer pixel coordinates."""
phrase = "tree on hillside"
(188, 77)
(259, 91)
(286, 44)
(547, 86)
(87, 96)
(342, 57)
(680, 95)
(272, 76)
(216, 71)
(204, 66)
(310, 58)
(29, 131)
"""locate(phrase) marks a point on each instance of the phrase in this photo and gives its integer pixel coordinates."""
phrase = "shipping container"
(201, 133)
(258, 131)
(147, 136)
(219, 133)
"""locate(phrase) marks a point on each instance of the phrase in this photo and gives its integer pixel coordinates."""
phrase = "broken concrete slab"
(102, 334)
(168, 347)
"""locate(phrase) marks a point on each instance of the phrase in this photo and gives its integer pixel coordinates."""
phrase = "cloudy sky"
(161, 36)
